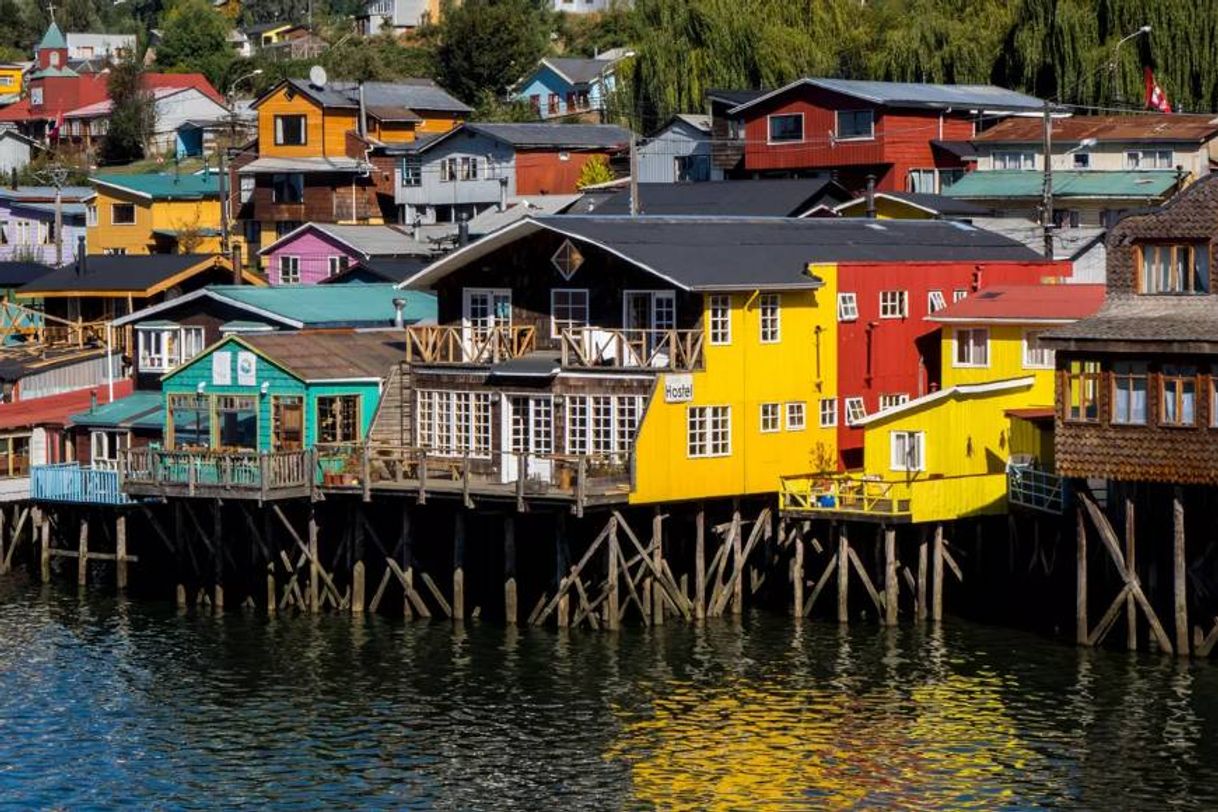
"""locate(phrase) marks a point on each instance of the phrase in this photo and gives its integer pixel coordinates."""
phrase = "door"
(484, 310)
(654, 312)
(287, 423)
(528, 436)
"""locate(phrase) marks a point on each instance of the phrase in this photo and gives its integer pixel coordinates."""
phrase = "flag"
(1156, 98)
(56, 126)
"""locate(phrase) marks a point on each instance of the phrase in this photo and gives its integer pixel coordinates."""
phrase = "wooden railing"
(70, 482)
(452, 344)
(845, 493)
(674, 350)
(210, 471)
(1036, 489)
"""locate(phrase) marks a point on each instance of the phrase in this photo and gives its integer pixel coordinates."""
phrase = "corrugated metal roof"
(122, 412)
(54, 410)
(373, 241)
(577, 70)
(1027, 303)
(307, 165)
(1146, 127)
(770, 197)
(1026, 183)
(135, 273)
(45, 194)
(574, 136)
(164, 186)
(492, 219)
(320, 306)
(416, 94)
(916, 94)
(332, 356)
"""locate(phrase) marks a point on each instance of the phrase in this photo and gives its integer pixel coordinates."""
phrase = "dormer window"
(54, 59)
(1175, 269)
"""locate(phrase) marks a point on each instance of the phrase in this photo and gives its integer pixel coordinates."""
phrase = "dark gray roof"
(579, 71)
(943, 205)
(1166, 323)
(116, 273)
(575, 136)
(917, 94)
(719, 253)
(388, 269)
(412, 94)
(735, 97)
(15, 274)
(964, 150)
(743, 198)
(533, 365)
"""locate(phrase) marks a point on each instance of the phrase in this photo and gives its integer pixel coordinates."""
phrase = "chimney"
(462, 230)
(82, 262)
(93, 401)
(871, 197)
(399, 318)
(416, 228)
(363, 113)
(503, 194)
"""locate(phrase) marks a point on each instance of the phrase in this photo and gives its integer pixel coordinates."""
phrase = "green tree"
(194, 38)
(486, 45)
(132, 115)
(595, 171)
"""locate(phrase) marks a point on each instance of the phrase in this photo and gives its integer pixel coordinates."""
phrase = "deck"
(70, 482)
(1035, 489)
(846, 496)
(214, 474)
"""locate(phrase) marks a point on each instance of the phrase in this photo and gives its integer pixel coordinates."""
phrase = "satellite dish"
(317, 76)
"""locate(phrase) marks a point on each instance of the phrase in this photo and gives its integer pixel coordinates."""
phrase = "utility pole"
(634, 176)
(1046, 203)
(56, 175)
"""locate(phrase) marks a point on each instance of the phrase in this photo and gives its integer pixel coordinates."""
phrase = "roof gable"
(911, 95)
(228, 341)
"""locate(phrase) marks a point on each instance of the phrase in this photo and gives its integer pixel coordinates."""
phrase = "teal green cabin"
(279, 391)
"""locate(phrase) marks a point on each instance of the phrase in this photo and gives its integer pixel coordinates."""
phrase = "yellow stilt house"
(155, 213)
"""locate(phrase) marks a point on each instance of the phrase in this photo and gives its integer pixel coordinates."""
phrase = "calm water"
(105, 703)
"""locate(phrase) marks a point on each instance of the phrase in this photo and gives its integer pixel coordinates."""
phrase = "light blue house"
(27, 223)
(571, 87)
(679, 152)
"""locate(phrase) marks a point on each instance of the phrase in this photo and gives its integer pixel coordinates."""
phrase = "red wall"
(885, 356)
(902, 140)
(543, 172)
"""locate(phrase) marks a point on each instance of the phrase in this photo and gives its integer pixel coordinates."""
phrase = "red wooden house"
(911, 137)
(887, 352)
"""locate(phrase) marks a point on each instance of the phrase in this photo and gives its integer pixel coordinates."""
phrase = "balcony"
(73, 483)
(238, 474)
(1035, 489)
(663, 350)
(846, 496)
(450, 344)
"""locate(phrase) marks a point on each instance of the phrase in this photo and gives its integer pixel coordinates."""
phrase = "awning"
(303, 165)
(534, 365)
(122, 413)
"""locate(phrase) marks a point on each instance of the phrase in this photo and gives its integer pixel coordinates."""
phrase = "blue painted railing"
(69, 482)
(1036, 489)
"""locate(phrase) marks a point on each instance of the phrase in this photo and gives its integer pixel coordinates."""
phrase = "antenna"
(317, 76)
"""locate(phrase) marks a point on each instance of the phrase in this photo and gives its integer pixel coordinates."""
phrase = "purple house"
(317, 251)
(27, 223)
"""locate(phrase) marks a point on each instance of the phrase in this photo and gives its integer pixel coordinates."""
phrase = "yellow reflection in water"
(945, 744)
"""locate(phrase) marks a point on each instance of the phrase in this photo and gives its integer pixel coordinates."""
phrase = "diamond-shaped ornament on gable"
(567, 259)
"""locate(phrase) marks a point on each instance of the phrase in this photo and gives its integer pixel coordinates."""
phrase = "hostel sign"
(678, 388)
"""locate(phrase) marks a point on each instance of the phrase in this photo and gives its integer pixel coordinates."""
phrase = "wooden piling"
(657, 593)
(797, 577)
(459, 565)
(843, 575)
(1180, 574)
(700, 563)
(357, 588)
(510, 608)
(1131, 605)
(407, 563)
(612, 618)
(218, 554)
(44, 532)
(936, 594)
(314, 563)
(560, 560)
(82, 560)
(120, 551)
(920, 609)
(890, 576)
(272, 599)
(1081, 634)
(358, 568)
(738, 559)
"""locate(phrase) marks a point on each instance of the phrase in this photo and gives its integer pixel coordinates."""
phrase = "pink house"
(316, 251)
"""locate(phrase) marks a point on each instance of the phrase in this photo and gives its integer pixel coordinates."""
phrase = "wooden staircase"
(393, 424)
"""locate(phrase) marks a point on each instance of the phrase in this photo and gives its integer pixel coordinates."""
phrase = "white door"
(483, 310)
(528, 436)
(653, 311)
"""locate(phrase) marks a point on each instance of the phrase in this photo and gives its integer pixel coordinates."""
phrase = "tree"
(487, 44)
(194, 38)
(595, 171)
(132, 114)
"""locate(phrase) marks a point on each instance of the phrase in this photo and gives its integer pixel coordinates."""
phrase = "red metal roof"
(54, 410)
(1143, 127)
(195, 80)
(1025, 303)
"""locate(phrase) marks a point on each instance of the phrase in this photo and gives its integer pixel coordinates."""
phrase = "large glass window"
(15, 455)
(770, 313)
(602, 424)
(1035, 354)
(720, 319)
(291, 131)
(338, 419)
(894, 304)
(412, 171)
(1178, 392)
(122, 214)
(287, 188)
(189, 421)
(787, 127)
(454, 423)
(855, 124)
(708, 431)
(907, 450)
(164, 348)
(568, 310)
(1175, 269)
(1129, 393)
(237, 422)
(1014, 160)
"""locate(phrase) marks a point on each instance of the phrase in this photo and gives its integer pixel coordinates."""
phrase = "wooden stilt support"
(218, 555)
(1080, 595)
(1131, 605)
(560, 559)
(357, 588)
(180, 596)
(82, 560)
(272, 599)
(459, 565)
(314, 563)
(406, 543)
(936, 598)
(3, 550)
(510, 609)
(891, 587)
(843, 575)
(657, 594)
(920, 609)
(738, 560)
(1180, 573)
(797, 576)
(120, 551)
(44, 535)
(611, 617)
(700, 563)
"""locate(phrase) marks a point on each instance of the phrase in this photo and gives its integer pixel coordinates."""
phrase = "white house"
(89, 46)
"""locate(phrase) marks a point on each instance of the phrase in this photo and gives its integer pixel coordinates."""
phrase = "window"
(1035, 355)
(454, 423)
(769, 418)
(285, 227)
(336, 265)
(107, 446)
(935, 301)
(797, 415)
(1178, 389)
(828, 412)
(568, 310)
(1082, 160)
(1083, 385)
(1129, 393)
(847, 307)
(908, 450)
(1148, 159)
(959, 295)
(36, 96)
(855, 124)
(290, 131)
(921, 181)
(894, 304)
(15, 456)
(247, 184)
(1014, 160)
(692, 168)
(338, 419)
(164, 348)
(1175, 269)
(855, 410)
(720, 319)
(412, 171)
(469, 168)
(122, 214)
(708, 431)
(972, 347)
(448, 170)
(289, 270)
(287, 188)
(114, 252)
(287, 423)
(1067, 218)
(91, 215)
(786, 128)
(893, 401)
(769, 309)
(236, 422)
(602, 424)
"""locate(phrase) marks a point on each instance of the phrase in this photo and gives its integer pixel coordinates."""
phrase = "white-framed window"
(769, 308)
(568, 309)
(289, 270)
(36, 96)
(708, 431)
(922, 181)
(959, 295)
(448, 170)
(291, 130)
(894, 304)
(847, 306)
(770, 421)
(469, 168)
(972, 347)
(602, 424)
(91, 214)
(1148, 159)
(855, 125)
(412, 170)
(935, 301)
(164, 348)
(336, 265)
(1035, 355)
(908, 450)
(1081, 160)
(855, 410)
(1014, 160)
(828, 412)
(107, 446)
(453, 424)
(122, 214)
(785, 128)
(720, 319)
(797, 415)
(246, 185)
(891, 401)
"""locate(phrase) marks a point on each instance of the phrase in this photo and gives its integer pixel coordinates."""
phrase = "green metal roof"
(53, 38)
(323, 305)
(1027, 183)
(124, 412)
(165, 186)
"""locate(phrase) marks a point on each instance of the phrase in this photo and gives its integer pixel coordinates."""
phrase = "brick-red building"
(911, 137)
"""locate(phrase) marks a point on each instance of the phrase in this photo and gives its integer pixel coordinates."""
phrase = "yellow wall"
(1005, 361)
(159, 214)
(743, 375)
(886, 209)
(10, 79)
(316, 137)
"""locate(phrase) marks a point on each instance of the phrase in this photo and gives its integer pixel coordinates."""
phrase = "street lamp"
(224, 194)
(1116, 74)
